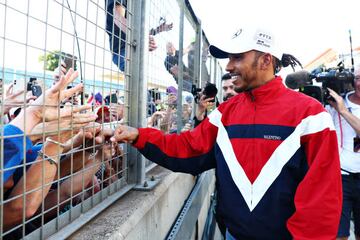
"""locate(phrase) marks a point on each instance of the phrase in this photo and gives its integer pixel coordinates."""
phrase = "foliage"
(51, 59)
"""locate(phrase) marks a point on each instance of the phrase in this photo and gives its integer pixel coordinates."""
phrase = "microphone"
(298, 79)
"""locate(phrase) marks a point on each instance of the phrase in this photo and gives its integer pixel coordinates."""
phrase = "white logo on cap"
(238, 32)
(263, 39)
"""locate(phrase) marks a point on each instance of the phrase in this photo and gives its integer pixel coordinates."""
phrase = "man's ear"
(266, 61)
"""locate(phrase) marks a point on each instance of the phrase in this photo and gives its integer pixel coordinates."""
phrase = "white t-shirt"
(350, 160)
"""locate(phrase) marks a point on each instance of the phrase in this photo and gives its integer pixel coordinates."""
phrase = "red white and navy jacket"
(276, 158)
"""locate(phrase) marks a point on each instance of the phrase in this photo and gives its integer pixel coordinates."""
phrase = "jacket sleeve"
(189, 152)
(318, 199)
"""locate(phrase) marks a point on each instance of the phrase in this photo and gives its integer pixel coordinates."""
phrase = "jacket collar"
(267, 91)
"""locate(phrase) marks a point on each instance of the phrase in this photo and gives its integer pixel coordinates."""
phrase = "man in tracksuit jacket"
(275, 150)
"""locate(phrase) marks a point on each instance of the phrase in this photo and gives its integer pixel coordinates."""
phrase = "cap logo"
(238, 32)
(263, 39)
(265, 36)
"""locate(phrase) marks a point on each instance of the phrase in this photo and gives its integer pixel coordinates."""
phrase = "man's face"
(244, 69)
(170, 49)
(228, 88)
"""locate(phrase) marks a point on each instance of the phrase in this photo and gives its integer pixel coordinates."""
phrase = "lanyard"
(341, 130)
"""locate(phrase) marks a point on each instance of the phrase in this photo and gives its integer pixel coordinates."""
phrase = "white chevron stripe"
(237, 172)
(253, 193)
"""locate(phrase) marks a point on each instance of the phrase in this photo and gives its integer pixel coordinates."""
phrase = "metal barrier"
(185, 224)
(57, 165)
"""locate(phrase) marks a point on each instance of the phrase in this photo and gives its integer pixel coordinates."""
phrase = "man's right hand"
(125, 134)
(338, 102)
(203, 104)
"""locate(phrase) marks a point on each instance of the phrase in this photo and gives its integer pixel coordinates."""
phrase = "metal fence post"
(137, 87)
(181, 70)
(197, 62)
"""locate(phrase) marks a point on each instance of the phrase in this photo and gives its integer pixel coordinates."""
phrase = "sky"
(304, 28)
(57, 34)
(38, 36)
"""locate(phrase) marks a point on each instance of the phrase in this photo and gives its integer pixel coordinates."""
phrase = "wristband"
(47, 158)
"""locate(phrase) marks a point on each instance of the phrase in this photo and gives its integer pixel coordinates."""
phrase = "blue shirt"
(14, 149)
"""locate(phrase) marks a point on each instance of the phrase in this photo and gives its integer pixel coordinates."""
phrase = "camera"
(69, 60)
(339, 79)
(34, 87)
(209, 91)
(195, 91)
(30, 83)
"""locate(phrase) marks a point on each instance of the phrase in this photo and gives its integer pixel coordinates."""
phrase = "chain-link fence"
(71, 71)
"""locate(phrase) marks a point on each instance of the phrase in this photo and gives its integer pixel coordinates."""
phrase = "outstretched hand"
(85, 135)
(165, 27)
(47, 105)
(67, 126)
(125, 134)
(12, 100)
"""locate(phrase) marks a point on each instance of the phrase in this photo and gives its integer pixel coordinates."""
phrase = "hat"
(188, 99)
(98, 97)
(247, 39)
(103, 111)
(171, 90)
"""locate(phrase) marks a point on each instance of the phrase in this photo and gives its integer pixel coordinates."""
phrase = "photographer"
(204, 103)
(201, 110)
(346, 116)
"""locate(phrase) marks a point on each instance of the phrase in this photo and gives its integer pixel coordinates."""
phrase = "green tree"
(51, 60)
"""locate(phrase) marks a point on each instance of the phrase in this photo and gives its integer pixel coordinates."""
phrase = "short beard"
(254, 66)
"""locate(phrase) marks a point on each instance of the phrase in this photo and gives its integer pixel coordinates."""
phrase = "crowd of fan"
(56, 152)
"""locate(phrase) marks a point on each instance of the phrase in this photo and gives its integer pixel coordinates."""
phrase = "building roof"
(330, 56)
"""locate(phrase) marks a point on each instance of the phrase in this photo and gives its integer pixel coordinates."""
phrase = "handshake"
(70, 125)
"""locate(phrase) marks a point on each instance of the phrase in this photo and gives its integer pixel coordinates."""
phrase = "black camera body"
(34, 87)
(195, 91)
(209, 91)
(339, 79)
